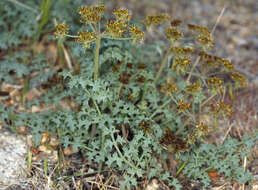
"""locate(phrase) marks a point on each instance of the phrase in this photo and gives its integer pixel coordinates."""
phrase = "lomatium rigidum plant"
(194, 83)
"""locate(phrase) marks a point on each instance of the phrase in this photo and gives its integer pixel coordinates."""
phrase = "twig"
(111, 187)
(171, 166)
(19, 87)
(244, 166)
(67, 57)
(238, 132)
(66, 54)
(106, 182)
(218, 20)
(224, 138)
(74, 183)
(193, 67)
(124, 132)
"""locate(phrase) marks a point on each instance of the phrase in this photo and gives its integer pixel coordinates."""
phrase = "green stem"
(163, 64)
(160, 107)
(84, 174)
(183, 126)
(96, 66)
(115, 38)
(180, 169)
(144, 91)
(102, 136)
(71, 36)
(87, 148)
(120, 154)
(97, 107)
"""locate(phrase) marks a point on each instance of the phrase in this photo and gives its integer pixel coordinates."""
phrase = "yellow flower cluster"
(227, 64)
(145, 126)
(202, 129)
(91, 14)
(169, 87)
(181, 64)
(213, 60)
(208, 59)
(181, 106)
(116, 27)
(122, 14)
(204, 36)
(85, 37)
(205, 40)
(200, 29)
(219, 107)
(155, 19)
(181, 50)
(239, 79)
(193, 87)
(199, 131)
(173, 142)
(136, 32)
(61, 30)
(173, 33)
(205, 55)
(215, 82)
(175, 23)
(100, 9)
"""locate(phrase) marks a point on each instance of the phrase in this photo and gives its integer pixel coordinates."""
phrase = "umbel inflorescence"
(194, 84)
(116, 28)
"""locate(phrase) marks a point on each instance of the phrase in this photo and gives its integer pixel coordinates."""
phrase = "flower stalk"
(96, 64)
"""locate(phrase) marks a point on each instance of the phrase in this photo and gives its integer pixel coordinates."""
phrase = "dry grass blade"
(218, 20)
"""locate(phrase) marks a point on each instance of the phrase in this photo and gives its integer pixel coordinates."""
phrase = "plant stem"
(96, 66)
(120, 154)
(115, 38)
(207, 100)
(183, 126)
(195, 64)
(101, 137)
(71, 36)
(84, 174)
(97, 107)
(160, 107)
(163, 64)
(180, 169)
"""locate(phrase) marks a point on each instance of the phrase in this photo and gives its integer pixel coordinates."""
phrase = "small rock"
(13, 158)
(153, 185)
(22, 130)
(53, 142)
(35, 109)
(69, 151)
(45, 138)
(53, 158)
(32, 94)
(44, 149)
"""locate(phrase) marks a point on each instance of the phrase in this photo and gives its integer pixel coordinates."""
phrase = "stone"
(12, 158)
